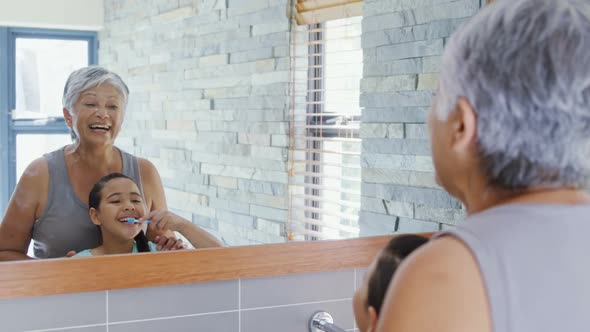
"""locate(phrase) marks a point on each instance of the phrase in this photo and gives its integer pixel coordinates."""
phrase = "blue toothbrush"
(133, 220)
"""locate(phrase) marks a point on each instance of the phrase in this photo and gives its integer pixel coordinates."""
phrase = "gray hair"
(89, 77)
(524, 66)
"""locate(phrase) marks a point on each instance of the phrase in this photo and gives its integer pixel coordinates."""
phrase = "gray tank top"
(65, 224)
(535, 266)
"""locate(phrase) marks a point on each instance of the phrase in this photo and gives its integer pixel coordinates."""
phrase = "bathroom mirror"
(268, 121)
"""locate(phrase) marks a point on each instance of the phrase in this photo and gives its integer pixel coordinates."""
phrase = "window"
(35, 64)
(325, 170)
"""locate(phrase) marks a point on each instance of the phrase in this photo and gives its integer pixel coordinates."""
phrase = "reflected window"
(35, 64)
(42, 67)
(325, 179)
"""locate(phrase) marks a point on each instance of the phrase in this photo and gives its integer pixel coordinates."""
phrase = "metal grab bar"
(322, 321)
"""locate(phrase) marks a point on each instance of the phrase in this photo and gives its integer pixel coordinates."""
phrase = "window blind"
(325, 148)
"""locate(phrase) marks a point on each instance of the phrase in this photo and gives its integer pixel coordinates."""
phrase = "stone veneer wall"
(209, 99)
(209, 106)
(403, 41)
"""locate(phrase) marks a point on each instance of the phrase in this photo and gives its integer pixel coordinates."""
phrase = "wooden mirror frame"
(75, 275)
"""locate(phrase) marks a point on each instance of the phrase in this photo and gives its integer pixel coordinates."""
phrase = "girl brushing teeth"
(117, 208)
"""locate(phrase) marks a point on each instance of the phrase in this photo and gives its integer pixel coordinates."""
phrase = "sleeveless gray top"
(535, 266)
(64, 224)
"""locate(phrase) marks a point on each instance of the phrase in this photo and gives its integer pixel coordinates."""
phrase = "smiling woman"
(90, 105)
(49, 205)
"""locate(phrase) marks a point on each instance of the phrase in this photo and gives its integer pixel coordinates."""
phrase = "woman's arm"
(153, 190)
(156, 202)
(153, 194)
(23, 209)
(199, 238)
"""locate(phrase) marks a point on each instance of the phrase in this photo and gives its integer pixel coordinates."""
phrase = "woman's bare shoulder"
(36, 173)
(149, 173)
(32, 189)
(440, 287)
(152, 185)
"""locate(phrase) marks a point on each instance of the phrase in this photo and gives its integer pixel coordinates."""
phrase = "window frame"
(10, 128)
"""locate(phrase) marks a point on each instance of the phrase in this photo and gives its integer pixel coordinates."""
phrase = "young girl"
(114, 199)
(369, 297)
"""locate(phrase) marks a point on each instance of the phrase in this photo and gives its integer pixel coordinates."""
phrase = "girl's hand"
(164, 220)
(162, 226)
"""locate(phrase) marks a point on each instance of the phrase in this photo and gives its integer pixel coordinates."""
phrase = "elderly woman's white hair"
(89, 77)
(525, 69)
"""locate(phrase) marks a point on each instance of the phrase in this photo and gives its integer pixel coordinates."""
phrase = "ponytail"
(142, 242)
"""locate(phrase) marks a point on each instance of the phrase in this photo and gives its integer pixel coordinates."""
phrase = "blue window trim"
(10, 128)
(4, 121)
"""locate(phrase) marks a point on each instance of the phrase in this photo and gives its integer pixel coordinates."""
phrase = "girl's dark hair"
(95, 198)
(389, 259)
